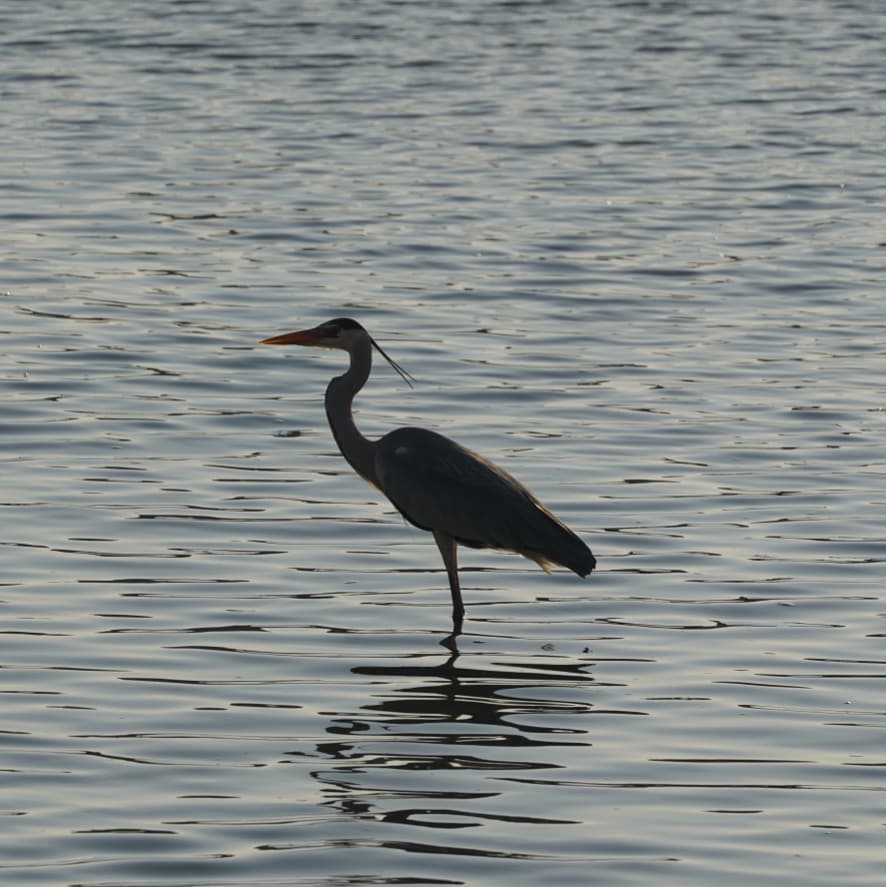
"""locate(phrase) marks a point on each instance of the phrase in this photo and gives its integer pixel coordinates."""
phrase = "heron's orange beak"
(303, 337)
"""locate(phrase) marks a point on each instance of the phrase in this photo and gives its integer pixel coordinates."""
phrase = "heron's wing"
(439, 485)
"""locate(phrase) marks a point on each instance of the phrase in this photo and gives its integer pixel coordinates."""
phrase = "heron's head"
(342, 333)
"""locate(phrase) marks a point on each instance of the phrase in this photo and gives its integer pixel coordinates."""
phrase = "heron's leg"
(447, 547)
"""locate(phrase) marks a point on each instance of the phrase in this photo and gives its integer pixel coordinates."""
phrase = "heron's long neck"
(340, 392)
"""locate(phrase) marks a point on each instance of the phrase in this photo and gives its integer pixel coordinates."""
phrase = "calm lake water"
(632, 251)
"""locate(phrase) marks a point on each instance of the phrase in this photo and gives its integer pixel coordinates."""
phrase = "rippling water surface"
(632, 251)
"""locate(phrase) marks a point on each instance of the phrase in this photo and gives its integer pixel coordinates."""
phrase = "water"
(633, 252)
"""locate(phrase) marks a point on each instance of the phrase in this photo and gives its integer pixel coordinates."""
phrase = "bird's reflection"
(450, 692)
(426, 748)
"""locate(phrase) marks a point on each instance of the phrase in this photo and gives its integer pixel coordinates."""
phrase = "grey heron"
(435, 483)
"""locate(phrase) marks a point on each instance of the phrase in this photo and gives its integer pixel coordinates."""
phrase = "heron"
(434, 482)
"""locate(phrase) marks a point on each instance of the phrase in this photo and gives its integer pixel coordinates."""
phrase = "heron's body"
(435, 483)
(440, 486)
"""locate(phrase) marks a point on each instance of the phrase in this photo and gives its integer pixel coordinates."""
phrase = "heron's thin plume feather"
(408, 379)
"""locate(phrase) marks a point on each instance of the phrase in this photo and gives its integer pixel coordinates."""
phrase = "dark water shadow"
(434, 744)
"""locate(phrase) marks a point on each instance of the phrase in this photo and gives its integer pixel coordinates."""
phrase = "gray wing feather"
(437, 484)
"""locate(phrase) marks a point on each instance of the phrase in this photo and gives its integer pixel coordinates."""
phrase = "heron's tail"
(559, 545)
(580, 559)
